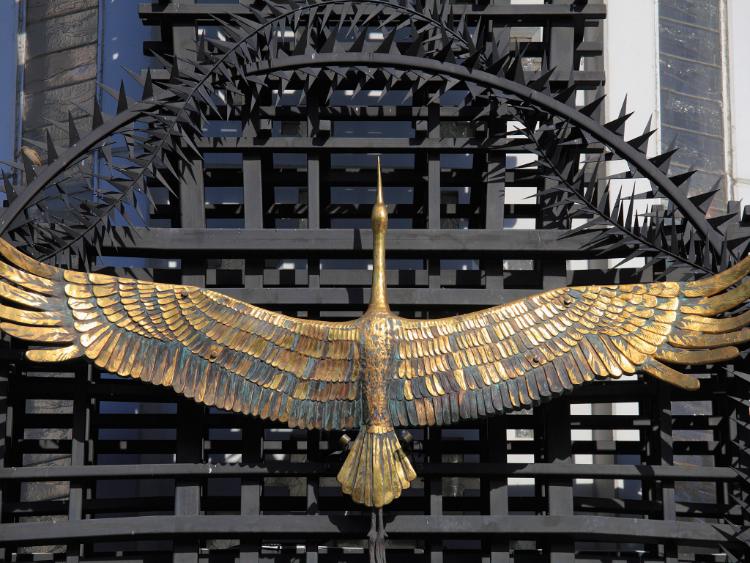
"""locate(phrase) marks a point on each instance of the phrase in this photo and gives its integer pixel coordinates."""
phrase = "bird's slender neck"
(378, 296)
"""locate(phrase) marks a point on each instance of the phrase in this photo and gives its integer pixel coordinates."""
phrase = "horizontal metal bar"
(468, 112)
(582, 79)
(358, 144)
(58, 446)
(151, 13)
(364, 144)
(161, 420)
(581, 528)
(236, 242)
(397, 296)
(272, 502)
(541, 470)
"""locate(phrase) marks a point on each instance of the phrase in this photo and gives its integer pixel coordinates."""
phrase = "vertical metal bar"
(313, 491)
(433, 190)
(192, 197)
(723, 433)
(434, 493)
(254, 209)
(183, 41)
(255, 203)
(666, 451)
(6, 438)
(559, 490)
(250, 487)
(14, 431)
(494, 210)
(313, 190)
(497, 452)
(649, 438)
(189, 415)
(252, 189)
(433, 168)
(78, 453)
(494, 215)
(187, 498)
(738, 434)
(560, 46)
(314, 213)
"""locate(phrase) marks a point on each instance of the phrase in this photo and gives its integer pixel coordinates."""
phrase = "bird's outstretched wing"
(517, 355)
(214, 349)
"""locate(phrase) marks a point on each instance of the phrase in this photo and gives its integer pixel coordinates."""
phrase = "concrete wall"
(61, 63)
(631, 63)
(738, 51)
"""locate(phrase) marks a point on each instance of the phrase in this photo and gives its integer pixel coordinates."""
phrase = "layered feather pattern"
(517, 355)
(206, 346)
(379, 371)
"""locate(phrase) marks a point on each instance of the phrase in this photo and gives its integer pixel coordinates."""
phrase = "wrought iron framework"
(247, 152)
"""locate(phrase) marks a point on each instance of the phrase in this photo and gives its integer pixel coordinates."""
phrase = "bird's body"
(376, 469)
(377, 350)
(380, 371)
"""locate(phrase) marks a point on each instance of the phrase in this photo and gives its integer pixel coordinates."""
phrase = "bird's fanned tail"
(377, 469)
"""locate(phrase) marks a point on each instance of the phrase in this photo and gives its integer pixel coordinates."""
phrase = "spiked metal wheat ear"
(69, 204)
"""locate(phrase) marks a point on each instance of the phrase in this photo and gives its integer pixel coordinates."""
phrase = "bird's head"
(379, 210)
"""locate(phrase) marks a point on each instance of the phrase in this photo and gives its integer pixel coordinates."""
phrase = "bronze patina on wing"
(517, 355)
(209, 347)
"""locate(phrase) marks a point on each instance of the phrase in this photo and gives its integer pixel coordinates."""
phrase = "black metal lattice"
(272, 206)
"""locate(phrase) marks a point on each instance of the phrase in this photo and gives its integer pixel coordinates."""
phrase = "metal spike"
(567, 94)
(475, 89)
(641, 142)
(721, 219)
(73, 136)
(592, 107)
(359, 42)
(148, 87)
(389, 45)
(330, 42)
(122, 99)
(10, 193)
(680, 179)
(97, 119)
(617, 125)
(624, 107)
(275, 9)
(51, 149)
(519, 75)
(542, 82)
(248, 25)
(703, 200)
(663, 160)
(111, 92)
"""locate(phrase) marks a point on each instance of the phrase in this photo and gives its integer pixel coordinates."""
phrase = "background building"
(679, 63)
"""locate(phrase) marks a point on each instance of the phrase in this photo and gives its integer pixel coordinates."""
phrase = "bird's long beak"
(378, 298)
(379, 196)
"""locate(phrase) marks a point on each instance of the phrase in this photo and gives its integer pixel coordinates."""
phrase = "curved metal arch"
(133, 113)
(493, 82)
(69, 157)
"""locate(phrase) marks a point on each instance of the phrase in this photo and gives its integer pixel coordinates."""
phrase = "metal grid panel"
(620, 471)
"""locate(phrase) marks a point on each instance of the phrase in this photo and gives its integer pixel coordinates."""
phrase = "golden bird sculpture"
(380, 371)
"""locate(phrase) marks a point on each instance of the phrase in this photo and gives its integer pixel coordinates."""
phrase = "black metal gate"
(268, 200)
